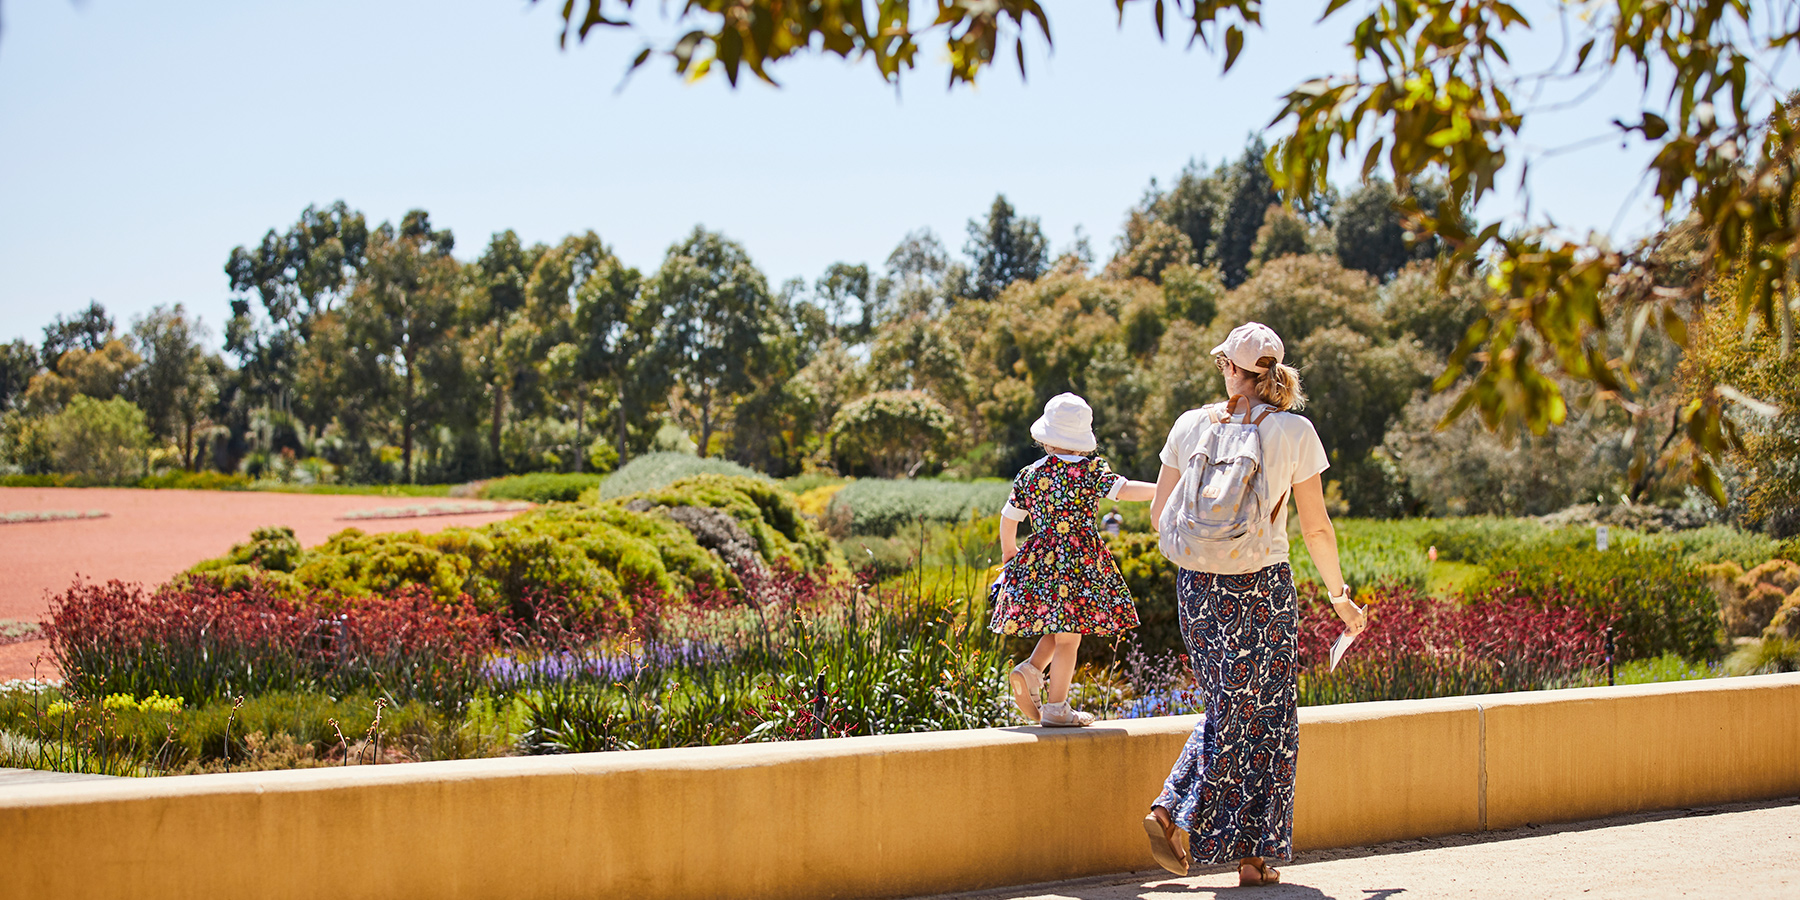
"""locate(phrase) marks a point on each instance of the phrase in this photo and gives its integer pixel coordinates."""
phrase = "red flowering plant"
(1418, 646)
(198, 640)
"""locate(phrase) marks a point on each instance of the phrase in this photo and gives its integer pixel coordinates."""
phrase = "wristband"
(1345, 596)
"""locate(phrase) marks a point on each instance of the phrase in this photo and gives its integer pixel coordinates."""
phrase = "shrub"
(38, 481)
(1785, 624)
(1751, 600)
(792, 673)
(814, 501)
(1151, 578)
(606, 560)
(100, 439)
(882, 508)
(893, 433)
(1371, 553)
(197, 481)
(1768, 656)
(1418, 647)
(278, 730)
(1714, 544)
(1656, 602)
(541, 487)
(1477, 539)
(200, 642)
(764, 510)
(654, 471)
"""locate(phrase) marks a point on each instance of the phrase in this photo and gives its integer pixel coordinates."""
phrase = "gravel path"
(1737, 851)
(148, 536)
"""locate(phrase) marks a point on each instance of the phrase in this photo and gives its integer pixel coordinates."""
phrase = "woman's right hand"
(1355, 617)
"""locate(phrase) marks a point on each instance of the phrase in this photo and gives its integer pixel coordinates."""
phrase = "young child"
(1063, 582)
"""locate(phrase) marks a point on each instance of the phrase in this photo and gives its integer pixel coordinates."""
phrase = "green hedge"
(1371, 552)
(193, 481)
(882, 507)
(654, 471)
(198, 481)
(541, 487)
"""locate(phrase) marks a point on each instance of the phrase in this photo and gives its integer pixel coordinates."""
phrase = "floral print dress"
(1063, 580)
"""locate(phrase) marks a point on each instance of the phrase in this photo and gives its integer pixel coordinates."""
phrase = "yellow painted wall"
(1563, 756)
(877, 817)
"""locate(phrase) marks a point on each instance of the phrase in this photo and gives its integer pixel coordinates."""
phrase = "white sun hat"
(1250, 342)
(1067, 423)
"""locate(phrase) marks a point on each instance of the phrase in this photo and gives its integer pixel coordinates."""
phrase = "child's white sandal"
(1060, 715)
(1026, 681)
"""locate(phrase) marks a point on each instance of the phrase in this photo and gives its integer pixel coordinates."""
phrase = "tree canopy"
(1428, 92)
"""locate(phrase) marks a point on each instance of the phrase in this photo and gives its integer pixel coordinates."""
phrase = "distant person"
(1232, 789)
(1112, 522)
(1062, 582)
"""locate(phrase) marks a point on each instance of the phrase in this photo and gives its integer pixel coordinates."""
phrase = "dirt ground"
(148, 536)
(1741, 851)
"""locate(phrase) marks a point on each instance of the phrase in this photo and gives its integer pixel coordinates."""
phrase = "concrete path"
(1742, 850)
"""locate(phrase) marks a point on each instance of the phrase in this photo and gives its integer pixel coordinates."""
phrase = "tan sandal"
(1163, 847)
(1261, 873)
(1026, 681)
(1061, 715)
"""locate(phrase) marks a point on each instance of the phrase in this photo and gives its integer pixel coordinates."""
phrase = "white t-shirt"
(1291, 454)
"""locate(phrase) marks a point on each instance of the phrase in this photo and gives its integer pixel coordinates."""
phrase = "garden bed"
(725, 616)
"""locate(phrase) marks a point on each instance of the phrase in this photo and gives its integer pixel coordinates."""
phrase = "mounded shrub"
(880, 507)
(602, 559)
(654, 471)
(762, 509)
(1785, 625)
(541, 487)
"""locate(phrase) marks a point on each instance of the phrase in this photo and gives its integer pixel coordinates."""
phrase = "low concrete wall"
(879, 817)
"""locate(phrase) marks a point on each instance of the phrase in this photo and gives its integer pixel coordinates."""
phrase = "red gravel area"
(149, 536)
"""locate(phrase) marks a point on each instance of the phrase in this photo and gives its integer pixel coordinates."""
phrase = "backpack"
(1219, 518)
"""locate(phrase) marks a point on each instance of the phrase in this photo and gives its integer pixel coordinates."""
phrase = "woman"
(1232, 790)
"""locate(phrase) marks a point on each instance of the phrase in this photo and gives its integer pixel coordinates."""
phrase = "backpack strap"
(1231, 409)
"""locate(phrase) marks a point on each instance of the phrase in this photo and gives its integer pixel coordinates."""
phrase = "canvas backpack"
(1219, 518)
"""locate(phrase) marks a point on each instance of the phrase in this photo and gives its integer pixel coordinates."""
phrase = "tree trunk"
(580, 416)
(187, 444)
(406, 426)
(705, 424)
(494, 435)
(621, 444)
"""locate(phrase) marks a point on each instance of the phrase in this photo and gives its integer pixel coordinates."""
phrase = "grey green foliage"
(881, 507)
(654, 471)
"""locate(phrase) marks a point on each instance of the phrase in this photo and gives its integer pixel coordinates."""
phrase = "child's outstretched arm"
(1136, 492)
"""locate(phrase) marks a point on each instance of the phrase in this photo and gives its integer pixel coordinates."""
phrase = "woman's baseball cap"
(1248, 343)
(1067, 423)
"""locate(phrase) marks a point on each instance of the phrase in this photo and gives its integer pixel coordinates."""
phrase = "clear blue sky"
(140, 142)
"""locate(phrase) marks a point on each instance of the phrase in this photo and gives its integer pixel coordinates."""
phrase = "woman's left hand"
(1355, 617)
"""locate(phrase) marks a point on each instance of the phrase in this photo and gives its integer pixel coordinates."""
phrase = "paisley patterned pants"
(1232, 789)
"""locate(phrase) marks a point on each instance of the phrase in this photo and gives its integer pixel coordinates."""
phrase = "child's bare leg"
(1043, 652)
(1062, 665)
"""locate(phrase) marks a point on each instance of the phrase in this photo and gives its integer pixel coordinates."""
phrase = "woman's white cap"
(1250, 342)
(1068, 423)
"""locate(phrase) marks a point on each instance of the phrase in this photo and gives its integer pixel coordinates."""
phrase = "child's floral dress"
(1063, 580)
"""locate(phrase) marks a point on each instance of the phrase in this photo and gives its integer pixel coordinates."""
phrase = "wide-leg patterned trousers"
(1232, 789)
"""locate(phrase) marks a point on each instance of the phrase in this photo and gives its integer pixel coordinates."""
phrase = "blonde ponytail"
(1279, 385)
